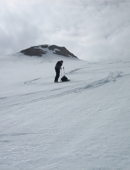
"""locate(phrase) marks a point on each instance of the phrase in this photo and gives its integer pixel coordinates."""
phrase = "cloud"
(92, 30)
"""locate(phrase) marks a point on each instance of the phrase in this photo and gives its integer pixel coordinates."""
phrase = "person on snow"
(57, 69)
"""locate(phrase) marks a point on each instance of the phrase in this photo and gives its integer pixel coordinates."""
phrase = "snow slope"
(83, 124)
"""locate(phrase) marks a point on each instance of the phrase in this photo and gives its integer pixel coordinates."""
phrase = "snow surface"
(83, 124)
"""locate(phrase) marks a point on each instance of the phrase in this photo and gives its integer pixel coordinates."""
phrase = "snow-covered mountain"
(42, 50)
(83, 124)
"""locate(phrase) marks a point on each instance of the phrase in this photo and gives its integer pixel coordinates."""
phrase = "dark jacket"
(58, 65)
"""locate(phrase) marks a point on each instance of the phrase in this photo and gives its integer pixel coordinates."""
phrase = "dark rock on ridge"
(33, 51)
(43, 49)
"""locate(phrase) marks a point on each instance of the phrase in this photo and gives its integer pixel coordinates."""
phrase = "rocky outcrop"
(44, 49)
(33, 51)
(61, 51)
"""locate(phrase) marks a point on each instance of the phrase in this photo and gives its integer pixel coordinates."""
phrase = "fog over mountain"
(92, 30)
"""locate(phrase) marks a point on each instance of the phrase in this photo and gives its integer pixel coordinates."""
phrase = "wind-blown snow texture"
(83, 124)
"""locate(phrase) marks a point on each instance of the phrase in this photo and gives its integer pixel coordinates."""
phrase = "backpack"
(64, 78)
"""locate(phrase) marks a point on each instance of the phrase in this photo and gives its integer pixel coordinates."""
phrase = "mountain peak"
(41, 50)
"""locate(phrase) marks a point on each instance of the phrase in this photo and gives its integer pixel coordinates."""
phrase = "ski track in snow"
(31, 81)
(73, 87)
(110, 78)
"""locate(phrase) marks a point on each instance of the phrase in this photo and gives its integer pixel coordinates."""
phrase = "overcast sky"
(91, 29)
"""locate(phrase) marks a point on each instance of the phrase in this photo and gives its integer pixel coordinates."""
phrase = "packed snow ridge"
(41, 50)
